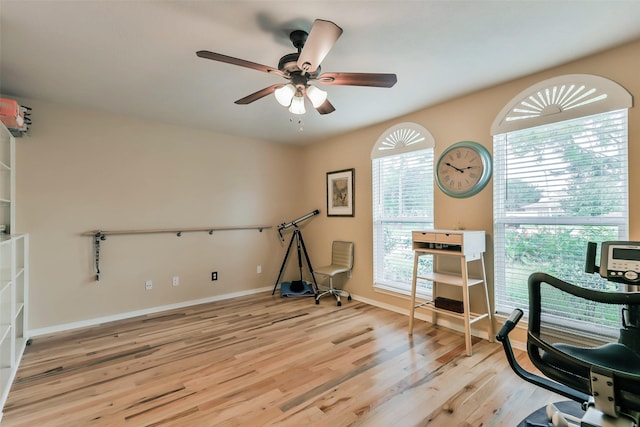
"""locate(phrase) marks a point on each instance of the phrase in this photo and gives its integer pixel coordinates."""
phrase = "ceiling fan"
(302, 67)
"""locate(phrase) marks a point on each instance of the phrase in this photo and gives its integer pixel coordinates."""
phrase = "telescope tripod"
(297, 236)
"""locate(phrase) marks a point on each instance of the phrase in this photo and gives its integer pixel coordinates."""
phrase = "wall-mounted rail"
(101, 235)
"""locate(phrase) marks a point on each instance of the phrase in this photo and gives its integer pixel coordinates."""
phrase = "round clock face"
(463, 169)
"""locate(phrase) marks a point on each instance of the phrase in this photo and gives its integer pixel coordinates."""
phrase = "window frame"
(551, 101)
(398, 140)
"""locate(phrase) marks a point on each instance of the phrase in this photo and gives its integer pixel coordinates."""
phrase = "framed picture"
(340, 193)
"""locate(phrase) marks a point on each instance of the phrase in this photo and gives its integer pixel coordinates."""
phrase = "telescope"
(295, 222)
(298, 285)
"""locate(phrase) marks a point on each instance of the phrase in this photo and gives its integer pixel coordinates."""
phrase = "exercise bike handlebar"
(509, 324)
(503, 337)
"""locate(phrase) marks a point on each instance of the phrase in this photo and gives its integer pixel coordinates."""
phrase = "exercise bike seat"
(576, 365)
(611, 355)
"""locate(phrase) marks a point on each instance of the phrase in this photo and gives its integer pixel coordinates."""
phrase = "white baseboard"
(441, 321)
(121, 316)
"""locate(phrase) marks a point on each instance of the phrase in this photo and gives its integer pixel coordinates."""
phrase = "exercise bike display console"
(605, 380)
(619, 261)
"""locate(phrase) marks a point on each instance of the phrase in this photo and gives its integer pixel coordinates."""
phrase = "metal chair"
(341, 262)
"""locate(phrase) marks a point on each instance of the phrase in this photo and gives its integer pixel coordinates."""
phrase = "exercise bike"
(603, 381)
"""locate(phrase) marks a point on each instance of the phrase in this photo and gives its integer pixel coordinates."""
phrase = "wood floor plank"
(263, 360)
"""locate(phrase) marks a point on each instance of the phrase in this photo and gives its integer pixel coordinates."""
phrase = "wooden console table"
(468, 246)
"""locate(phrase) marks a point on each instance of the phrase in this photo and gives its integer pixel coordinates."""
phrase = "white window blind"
(402, 202)
(556, 187)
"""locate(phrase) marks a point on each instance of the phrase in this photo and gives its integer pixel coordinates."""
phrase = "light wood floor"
(262, 360)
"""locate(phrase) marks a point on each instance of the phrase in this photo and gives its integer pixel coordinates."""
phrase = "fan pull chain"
(297, 121)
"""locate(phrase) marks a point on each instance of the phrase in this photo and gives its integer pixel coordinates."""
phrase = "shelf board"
(468, 255)
(473, 317)
(450, 279)
(5, 285)
(5, 376)
(19, 307)
(433, 251)
(4, 333)
(21, 345)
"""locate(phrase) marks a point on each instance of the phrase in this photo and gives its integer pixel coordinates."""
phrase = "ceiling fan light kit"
(302, 67)
(297, 105)
(284, 95)
(316, 96)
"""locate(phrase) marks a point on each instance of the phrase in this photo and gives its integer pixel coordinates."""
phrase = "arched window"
(560, 181)
(402, 174)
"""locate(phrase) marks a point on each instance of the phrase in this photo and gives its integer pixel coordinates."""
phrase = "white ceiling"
(138, 57)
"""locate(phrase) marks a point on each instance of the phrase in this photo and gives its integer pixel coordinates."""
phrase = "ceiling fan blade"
(358, 79)
(326, 108)
(241, 62)
(259, 94)
(321, 39)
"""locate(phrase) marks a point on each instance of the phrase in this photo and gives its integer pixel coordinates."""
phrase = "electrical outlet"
(176, 280)
(148, 285)
(259, 269)
(214, 275)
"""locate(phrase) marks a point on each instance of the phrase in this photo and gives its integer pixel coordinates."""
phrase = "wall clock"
(463, 169)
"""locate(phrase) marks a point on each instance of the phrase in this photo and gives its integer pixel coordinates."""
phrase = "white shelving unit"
(468, 246)
(14, 273)
(7, 177)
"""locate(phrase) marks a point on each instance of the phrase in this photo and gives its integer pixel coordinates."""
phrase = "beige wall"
(83, 170)
(466, 118)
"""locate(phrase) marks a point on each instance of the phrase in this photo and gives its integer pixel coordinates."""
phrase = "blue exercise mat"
(287, 292)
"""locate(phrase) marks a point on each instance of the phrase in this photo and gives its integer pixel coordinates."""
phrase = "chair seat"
(341, 262)
(331, 270)
(611, 356)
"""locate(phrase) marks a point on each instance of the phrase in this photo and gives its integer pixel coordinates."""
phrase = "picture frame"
(340, 193)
